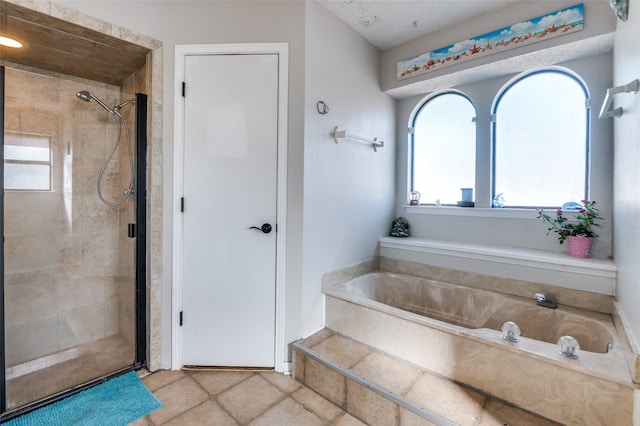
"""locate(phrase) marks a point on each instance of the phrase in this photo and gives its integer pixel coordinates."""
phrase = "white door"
(230, 182)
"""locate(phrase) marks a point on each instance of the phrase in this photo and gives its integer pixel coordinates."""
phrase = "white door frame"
(181, 51)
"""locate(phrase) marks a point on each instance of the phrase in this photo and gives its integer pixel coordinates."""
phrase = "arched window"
(541, 140)
(443, 148)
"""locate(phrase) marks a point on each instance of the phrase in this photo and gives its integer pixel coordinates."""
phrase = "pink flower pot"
(579, 245)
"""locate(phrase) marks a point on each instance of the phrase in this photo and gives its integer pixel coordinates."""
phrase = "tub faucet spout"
(542, 300)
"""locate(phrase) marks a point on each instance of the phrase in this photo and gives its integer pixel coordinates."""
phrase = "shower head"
(84, 95)
(88, 96)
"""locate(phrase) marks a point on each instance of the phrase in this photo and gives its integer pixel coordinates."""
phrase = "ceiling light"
(9, 42)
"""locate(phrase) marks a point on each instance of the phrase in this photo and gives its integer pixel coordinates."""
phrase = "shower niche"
(74, 203)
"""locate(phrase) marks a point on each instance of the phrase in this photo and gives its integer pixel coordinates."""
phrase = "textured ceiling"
(59, 46)
(389, 23)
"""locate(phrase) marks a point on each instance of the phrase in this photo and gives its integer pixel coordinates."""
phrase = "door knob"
(265, 228)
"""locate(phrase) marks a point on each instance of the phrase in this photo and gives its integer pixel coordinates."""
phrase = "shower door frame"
(140, 234)
(3, 371)
(140, 358)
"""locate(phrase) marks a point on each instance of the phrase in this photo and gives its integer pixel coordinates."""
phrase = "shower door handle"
(265, 228)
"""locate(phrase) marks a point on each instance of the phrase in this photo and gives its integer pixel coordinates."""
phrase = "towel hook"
(322, 108)
(606, 111)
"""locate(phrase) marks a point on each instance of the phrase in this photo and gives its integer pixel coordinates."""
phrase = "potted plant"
(578, 233)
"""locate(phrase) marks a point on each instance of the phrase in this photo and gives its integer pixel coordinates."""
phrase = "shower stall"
(73, 281)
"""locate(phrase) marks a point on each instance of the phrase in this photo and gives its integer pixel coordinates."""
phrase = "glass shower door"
(69, 258)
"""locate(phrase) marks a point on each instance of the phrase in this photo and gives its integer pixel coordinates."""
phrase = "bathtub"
(455, 331)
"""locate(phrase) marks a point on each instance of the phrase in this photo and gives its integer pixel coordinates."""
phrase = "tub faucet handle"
(511, 332)
(540, 297)
(568, 347)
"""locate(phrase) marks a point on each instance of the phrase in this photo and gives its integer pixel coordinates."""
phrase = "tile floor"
(224, 398)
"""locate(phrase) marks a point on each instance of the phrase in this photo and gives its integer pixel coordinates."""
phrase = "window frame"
(496, 101)
(48, 163)
(412, 134)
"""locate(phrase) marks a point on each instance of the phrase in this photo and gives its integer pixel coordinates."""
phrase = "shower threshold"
(45, 377)
(45, 361)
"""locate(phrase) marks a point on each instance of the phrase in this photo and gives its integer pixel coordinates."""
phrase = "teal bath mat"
(116, 402)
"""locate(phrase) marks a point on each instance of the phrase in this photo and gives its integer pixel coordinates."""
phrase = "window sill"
(555, 268)
(472, 212)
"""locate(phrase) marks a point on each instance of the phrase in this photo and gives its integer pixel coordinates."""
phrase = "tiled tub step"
(381, 390)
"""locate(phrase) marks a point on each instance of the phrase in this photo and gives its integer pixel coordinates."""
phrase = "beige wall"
(626, 193)
(348, 188)
(63, 258)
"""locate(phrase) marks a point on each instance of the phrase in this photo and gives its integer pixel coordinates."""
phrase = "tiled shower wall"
(68, 261)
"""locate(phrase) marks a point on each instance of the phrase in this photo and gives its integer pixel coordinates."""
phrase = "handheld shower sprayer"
(115, 112)
(88, 96)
